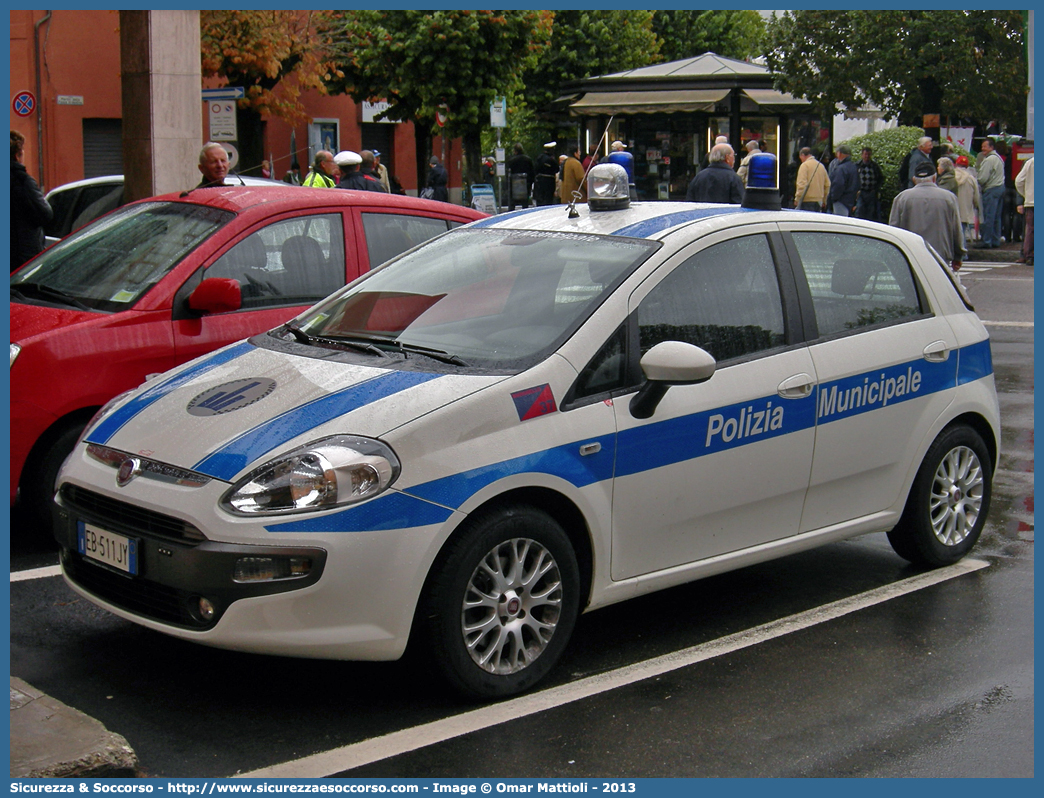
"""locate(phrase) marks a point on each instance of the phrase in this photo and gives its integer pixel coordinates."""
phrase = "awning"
(776, 101)
(605, 103)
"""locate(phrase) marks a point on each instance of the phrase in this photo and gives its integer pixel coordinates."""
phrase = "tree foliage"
(275, 56)
(687, 34)
(588, 43)
(420, 61)
(962, 64)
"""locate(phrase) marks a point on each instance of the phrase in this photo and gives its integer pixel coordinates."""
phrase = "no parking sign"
(24, 103)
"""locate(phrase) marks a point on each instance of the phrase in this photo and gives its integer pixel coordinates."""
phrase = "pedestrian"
(266, 170)
(969, 197)
(922, 153)
(1024, 185)
(381, 171)
(813, 183)
(30, 210)
(438, 180)
(368, 170)
(946, 175)
(558, 177)
(844, 183)
(753, 148)
(618, 154)
(868, 201)
(324, 172)
(544, 178)
(990, 172)
(352, 176)
(293, 176)
(520, 178)
(706, 156)
(213, 164)
(590, 159)
(932, 213)
(718, 182)
(573, 177)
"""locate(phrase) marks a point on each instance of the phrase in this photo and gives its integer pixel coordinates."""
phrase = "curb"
(52, 740)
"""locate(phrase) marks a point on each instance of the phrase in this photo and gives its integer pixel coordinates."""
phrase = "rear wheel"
(948, 502)
(503, 603)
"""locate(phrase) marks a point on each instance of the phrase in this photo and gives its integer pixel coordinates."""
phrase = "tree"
(687, 34)
(588, 43)
(908, 63)
(262, 51)
(420, 61)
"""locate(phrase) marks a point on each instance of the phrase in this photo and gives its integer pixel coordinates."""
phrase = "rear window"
(112, 263)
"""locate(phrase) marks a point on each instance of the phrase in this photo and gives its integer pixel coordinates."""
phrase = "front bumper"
(177, 565)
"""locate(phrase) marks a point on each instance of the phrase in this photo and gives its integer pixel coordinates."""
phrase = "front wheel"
(503, 602)
(948, 502)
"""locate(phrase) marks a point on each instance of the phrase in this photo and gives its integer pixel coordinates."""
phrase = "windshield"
(479, 297)
(111, 264)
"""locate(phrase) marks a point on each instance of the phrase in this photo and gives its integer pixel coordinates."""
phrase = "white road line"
(1021, 324)
(36, 573)
(406, 740)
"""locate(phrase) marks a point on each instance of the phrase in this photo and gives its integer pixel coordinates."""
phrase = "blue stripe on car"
(657, 224)
(974, 362)
(253, 444)
(661, 443)
(112, 423)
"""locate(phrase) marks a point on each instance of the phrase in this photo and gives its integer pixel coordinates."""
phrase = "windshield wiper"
(434, 354)
(341, 343)
(23, 290)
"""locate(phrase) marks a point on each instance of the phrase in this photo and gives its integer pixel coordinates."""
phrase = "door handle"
(937, 352)
(797, 387)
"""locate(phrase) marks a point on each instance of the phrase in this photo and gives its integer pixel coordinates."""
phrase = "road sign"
(24, 103)
(441, 115)
(223, 120)
(233, 154)
(226, 93)
(498, 112)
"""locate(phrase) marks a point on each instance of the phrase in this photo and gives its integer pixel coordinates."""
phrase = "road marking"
(36, 573)
(401, 742)
(1021, 324)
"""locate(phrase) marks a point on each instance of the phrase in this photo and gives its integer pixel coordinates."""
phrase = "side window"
(607, 370)
(390, 234)
(856, 281)
(724, 299)
(291, 262)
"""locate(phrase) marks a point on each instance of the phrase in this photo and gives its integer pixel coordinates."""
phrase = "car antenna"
(573, 212)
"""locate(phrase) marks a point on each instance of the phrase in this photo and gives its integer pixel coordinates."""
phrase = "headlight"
(15, 349)
(334, 471)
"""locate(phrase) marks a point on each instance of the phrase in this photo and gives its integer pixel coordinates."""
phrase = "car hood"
(30, 321)
(238, 407)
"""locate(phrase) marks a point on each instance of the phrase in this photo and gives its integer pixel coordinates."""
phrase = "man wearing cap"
(844, 183)
(932, 213)
(324, 171)
(381, 171)
(546, 172)
(618, 154)
(351, 178)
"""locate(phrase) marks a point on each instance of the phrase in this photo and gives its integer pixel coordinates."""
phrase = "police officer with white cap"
(351, 177)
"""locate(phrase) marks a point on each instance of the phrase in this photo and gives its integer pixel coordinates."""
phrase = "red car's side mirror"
(216, 295)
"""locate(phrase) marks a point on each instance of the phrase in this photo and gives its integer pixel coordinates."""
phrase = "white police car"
(538, 414)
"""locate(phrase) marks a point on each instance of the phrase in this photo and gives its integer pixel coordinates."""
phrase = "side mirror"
(666, 364)
(216, 295)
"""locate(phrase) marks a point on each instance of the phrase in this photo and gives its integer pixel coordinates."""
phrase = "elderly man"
(844, 186)
(368, 169)
(920, 154)
(324, 171)
(381, 171)
(717, 183)
(753, 148)
(1024, 185)
(932, 213)
(990, 173)
(213, 164)
(813, 183)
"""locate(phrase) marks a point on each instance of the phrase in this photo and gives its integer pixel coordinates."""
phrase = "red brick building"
(65, 80)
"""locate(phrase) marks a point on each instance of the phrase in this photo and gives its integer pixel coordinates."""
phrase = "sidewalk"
(1005, 253)
(52, 740)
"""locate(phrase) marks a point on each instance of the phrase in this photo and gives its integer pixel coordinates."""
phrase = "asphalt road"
(843, 661)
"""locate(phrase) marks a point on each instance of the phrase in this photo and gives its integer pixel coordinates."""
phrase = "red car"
(164, 280)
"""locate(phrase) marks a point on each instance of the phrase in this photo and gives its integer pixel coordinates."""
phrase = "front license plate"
(118, 551)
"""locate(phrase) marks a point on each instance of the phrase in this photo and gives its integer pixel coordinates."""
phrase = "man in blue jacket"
(718, 182)
(844, 182)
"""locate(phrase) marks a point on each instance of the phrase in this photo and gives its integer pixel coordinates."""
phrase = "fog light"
(206, 609)
(267, 569)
